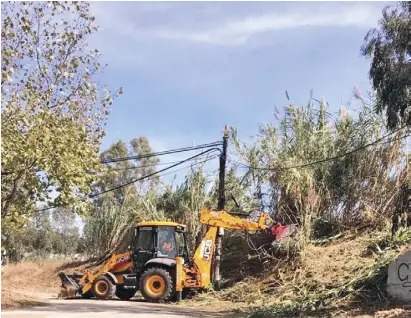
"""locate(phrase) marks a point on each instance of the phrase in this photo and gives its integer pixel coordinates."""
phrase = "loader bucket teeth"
(68, 292)
(69, 286)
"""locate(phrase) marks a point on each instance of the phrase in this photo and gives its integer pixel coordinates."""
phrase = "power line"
(188, 166)
(131, 168)
(150, 155)
(145, 166)
(325, 159)
(162, 153)
(193, 164)
(154, 173)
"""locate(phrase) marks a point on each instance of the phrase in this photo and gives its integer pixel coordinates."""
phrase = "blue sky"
(189, 68)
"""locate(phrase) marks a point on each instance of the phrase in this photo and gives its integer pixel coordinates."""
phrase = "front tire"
(156, 285)
(125, 294)
(103, 288)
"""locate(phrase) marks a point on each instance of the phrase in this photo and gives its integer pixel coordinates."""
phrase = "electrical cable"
(138, 167)
(162, 153)
(129, 168)
(215, 149)
(155, 154)
(154, 173)
(325, 159)
(185, 167)
(145, 166)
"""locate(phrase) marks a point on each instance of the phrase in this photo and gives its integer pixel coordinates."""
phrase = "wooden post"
(221, 204)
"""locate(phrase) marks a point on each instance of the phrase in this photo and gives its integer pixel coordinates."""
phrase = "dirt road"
(85, 308)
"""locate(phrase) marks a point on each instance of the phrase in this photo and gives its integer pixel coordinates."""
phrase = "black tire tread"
(111, 287)
(159, 271)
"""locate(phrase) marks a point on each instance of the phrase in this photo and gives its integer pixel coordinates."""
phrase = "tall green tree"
(184, 203)
(53, 111)
(113, 213)
(389, 48)
(65, 232)
(46, 233)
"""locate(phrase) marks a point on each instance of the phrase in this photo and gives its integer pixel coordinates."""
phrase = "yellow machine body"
(156, 275)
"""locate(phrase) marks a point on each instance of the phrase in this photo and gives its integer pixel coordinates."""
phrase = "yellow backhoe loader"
(158, 263)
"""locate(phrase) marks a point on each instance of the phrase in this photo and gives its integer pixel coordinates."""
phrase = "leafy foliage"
(110, 224)
(185, 203)
(115, 212)
(46, 234)
(325, 197)
(389, 48)
(53, 112)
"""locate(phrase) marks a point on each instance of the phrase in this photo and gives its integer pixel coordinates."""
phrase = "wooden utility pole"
(221, 204)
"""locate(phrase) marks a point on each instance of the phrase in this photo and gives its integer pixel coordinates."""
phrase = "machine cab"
(164, 240)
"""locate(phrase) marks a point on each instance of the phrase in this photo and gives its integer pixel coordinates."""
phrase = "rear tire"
(103, 288)
(124, 294)
(156, 285)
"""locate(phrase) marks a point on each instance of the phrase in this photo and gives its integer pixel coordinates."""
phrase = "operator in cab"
(167, 245)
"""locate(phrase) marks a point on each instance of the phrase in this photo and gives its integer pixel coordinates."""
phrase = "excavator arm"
(225, 220)
(198, 275)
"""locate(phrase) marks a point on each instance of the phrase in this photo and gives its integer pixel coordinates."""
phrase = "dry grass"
(33, 276)
(332, 265)
(22, 282)
(343, 272)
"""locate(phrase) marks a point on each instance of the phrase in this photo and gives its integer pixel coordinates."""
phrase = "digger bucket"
(69, 285)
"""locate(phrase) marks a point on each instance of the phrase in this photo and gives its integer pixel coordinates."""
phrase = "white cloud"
(239, 31)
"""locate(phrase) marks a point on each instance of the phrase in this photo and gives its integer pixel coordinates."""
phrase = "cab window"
(145, 240)
(166, 242)
(181, 244)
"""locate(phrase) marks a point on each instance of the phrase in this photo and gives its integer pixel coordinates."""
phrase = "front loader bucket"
(69, 285)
